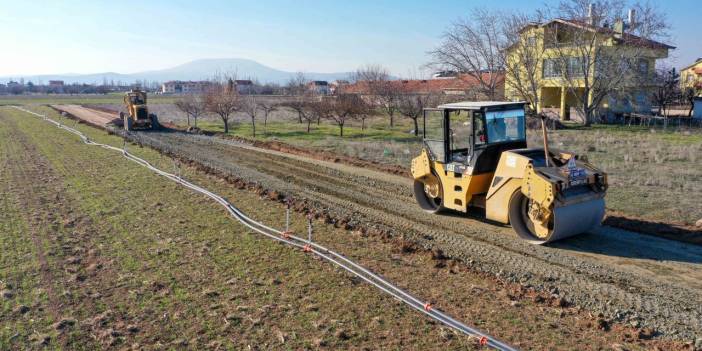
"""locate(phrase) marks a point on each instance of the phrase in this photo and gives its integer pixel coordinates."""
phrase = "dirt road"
(94, 117)
(628, 277)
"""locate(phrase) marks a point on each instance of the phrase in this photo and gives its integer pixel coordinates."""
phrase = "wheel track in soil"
(25, 175)
(578, 278)
(329, 189)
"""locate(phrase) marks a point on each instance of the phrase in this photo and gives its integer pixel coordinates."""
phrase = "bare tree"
(267, 107)
(315, 111)
(297, 85)
(249, 107)
(667, 88)
(473, 46)
(598, 55)
(192, 105)
(689, 95)
(342, 108)
(382, 90)
(223, 100)
(298, 105)
(412, 106)
(522, 56)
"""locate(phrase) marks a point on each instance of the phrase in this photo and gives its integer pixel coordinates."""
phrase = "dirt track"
(626, 276)
(94, 117)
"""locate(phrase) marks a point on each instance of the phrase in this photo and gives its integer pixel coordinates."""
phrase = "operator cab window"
(460, 135)
(135, 99)
(503, 126)
(433, 131)
(480, 138)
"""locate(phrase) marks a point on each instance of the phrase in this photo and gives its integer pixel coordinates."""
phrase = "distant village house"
(56, 86)
(691, 77)
(319, 87)
(338, 86)
(244, 86)
(184, 87)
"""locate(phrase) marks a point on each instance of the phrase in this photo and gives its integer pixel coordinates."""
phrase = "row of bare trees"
(224, 101)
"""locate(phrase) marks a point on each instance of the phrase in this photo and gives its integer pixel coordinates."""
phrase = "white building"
(184, 87)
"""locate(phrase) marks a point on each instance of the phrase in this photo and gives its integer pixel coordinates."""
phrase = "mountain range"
(195, 70)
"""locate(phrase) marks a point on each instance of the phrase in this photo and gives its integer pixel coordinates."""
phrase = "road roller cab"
(475, 155)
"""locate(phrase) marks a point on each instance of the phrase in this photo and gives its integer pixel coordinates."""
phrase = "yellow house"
(561, 57)
(691, 77)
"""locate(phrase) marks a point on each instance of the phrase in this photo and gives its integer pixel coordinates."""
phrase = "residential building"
(691, 77)
(184, 87)
(338, 86)
(55, 86)
(244, 86)
(319, 87)
(560, 67)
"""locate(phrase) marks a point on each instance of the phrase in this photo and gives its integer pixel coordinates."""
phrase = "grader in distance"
(475, 155)
(137, 115)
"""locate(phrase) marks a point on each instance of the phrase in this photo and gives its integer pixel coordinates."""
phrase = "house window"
(551, 68)
(643, 66)
(531, 41)
(576, 66)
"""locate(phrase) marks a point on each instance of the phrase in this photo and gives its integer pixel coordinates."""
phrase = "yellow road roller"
(475, 155)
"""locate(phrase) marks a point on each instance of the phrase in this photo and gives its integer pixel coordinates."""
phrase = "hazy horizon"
(73, 37)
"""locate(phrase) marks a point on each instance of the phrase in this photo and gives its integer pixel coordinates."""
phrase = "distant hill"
(195, 70)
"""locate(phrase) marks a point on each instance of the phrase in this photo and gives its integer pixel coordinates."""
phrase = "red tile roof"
(423, 86)
(627, 38)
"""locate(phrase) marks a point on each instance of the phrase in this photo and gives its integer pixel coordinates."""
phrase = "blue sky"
(42, 37)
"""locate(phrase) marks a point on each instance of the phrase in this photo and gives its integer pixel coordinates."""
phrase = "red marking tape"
(286, 235)
(427, 307)
(307, 248)
(483, 341)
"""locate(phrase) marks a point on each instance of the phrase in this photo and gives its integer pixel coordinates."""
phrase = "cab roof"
(478, 105)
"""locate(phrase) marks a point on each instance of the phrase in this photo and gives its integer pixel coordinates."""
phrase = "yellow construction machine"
(137, 115)
(475, 155)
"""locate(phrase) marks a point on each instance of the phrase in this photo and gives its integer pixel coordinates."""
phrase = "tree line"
(222, 99)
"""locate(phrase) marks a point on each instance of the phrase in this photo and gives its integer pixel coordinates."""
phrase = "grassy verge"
(175, 272)
(180, 272)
